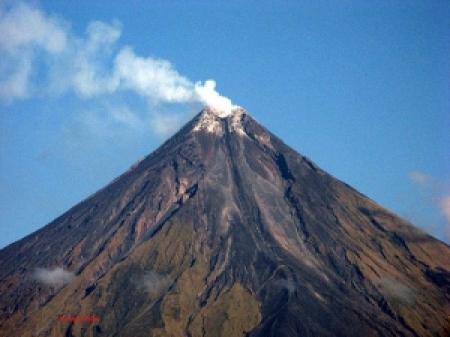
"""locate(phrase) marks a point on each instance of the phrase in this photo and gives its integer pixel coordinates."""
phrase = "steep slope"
(226, 231)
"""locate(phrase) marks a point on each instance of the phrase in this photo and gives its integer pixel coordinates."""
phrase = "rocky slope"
(226, 231)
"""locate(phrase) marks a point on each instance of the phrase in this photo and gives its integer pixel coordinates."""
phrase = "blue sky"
(362, 88)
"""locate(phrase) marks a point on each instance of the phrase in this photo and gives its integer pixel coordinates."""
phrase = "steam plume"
(91, 66)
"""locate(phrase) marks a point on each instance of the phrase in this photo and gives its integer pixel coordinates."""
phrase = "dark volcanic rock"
(226, 231)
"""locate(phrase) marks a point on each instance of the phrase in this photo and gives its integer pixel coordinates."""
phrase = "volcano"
(226, 231)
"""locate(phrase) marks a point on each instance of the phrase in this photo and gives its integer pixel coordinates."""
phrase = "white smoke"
(85, 65)
(91, 66)
(54, 277)
(23, 26)
(206, 93)
(155, 79)
(23, 32)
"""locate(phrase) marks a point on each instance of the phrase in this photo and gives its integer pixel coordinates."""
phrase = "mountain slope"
(226, 231)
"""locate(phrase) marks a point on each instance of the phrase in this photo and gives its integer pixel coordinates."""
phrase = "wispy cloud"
(154, 283)
(434, 192)
(444, 204)
(166, 124)
(287, 284)
(396, 290)
(420, 178)
(104, 122)
(54, 277)
(91, 66)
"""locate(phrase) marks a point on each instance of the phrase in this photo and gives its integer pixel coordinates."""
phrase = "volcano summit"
(226, 231)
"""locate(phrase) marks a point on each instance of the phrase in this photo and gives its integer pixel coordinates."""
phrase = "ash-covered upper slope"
(226, 231)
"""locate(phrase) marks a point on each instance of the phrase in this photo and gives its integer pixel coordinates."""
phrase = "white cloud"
(123, 115)
(420, 178)
(105, 122)
(14, 74)
(54, 277)
(154, 283)
(397, 290)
